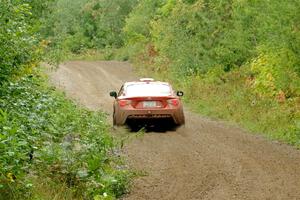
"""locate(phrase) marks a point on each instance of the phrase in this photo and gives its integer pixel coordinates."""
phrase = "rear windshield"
(144, 89)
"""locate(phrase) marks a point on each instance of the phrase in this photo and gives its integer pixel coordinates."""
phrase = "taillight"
(173, 102)
(123, 103)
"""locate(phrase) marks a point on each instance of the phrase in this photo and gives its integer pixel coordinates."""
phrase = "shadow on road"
(153, 125)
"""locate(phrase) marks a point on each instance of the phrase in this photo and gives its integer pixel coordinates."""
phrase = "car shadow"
(153, 125)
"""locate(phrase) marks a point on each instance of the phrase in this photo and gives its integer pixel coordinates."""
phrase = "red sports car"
(147, 99)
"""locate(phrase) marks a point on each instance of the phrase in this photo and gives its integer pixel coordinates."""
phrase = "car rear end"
(148, 101)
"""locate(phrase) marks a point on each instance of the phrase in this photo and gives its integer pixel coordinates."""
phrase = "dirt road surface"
(203, 160)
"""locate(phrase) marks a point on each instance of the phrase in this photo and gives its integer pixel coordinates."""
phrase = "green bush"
(273, 73)
(45, 138)
(199, 35)
(19, 47)
(74, 26)
(44, 135)
(137, 27)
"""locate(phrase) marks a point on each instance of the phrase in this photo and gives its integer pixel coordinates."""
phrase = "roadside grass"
(52, 148)
(48, 189)
(56, 56)
(235, 102)
(89, 55)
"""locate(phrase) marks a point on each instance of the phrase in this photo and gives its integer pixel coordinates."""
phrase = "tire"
(114, 121)
(182, 120)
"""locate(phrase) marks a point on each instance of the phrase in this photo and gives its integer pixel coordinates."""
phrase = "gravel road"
(206, 159)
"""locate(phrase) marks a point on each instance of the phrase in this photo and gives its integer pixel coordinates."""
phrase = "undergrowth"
(52, 148)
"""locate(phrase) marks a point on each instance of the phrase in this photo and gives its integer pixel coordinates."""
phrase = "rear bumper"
(175, 114)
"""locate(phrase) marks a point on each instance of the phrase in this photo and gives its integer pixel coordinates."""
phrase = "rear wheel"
(114, 121)
(181, 120)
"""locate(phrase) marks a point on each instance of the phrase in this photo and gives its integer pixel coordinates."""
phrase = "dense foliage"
(200, 35)
(77, 25)
(18, 43)
(49, 147)
(240, 56)
(44, 135)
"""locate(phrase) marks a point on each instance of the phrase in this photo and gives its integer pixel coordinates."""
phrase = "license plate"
(149, 104)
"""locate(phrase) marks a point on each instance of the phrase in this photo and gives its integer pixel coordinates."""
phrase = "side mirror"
(179, 93)
(113, 94)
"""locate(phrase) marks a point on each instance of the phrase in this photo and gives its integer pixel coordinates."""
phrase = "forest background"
(236, 60)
